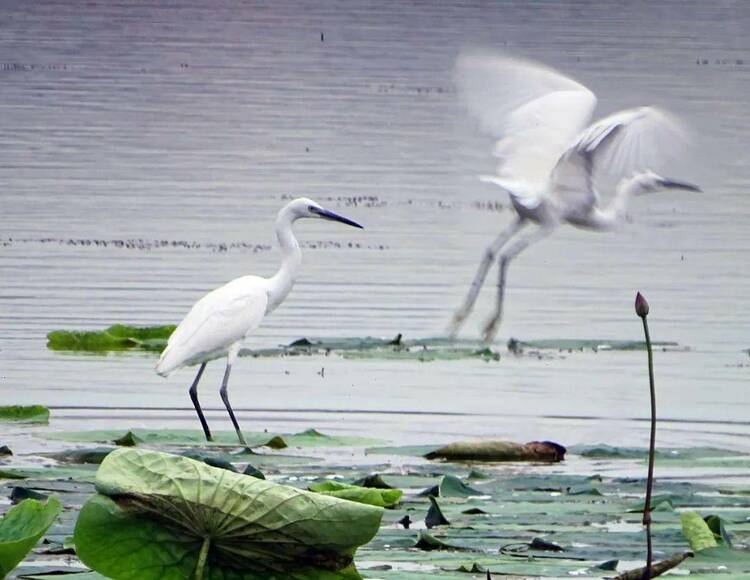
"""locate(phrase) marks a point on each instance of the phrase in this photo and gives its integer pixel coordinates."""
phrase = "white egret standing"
(551, 161)
(218, 322)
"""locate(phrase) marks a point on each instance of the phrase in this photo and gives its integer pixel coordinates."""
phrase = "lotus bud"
(641, 306)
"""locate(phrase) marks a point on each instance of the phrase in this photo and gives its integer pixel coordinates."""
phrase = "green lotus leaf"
(25, 414)
(716, 525)
(571, 344)
(386, 498)
(72, 472)
(428, 543)
(451, 486)
(195, 437)
(696, 531)
(435, 516)
(373, 480)
(21, 528)
(130, 439)
(161, 516)
(116, 337)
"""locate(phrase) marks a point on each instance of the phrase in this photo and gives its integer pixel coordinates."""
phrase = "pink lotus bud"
(641, 306)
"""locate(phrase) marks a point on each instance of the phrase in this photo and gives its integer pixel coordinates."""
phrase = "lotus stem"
(642, 309)
(202, 557)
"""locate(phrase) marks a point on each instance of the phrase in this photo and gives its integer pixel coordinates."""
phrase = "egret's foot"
(242, 439)
(490, 329)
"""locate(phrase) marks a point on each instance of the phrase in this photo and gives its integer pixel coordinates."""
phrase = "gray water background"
(195, 122)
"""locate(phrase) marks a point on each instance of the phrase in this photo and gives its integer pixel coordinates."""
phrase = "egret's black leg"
(484, 266)
(225, 398)
(194, 397)
(492, 325)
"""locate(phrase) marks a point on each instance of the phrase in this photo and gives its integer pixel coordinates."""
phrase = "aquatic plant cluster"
(164, 504)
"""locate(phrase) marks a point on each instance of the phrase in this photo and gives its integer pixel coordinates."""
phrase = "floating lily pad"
(687, 454)
(196, 438)
(720, 562)
(116, 337)
(160, 516)
(24, 414)
(74, 473)
(568, 344)
(398, 348)
(428, 542)
(21, 528)
(93, 456)
(386, 498)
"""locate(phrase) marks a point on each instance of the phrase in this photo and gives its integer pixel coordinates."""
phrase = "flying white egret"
(218, 322)
(551, 159)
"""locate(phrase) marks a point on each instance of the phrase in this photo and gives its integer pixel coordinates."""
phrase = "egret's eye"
(311, 208)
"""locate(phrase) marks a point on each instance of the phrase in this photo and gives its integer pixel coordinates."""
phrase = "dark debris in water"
(145, 245)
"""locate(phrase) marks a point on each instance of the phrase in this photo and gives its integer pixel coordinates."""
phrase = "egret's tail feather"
(165, 365)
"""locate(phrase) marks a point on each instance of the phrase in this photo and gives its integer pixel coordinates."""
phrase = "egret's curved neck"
(291, 258)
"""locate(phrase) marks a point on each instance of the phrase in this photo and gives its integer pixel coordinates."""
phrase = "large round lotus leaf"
(163, 516)
(21, 528)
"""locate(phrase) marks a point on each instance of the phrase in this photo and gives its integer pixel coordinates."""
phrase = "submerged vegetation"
(121, 337)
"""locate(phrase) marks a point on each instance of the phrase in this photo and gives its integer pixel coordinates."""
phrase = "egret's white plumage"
(217, 321)
(552, 157)
(217, 324)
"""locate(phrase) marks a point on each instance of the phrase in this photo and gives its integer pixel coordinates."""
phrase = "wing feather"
(218, 320)
(628, 141)
(533, 111)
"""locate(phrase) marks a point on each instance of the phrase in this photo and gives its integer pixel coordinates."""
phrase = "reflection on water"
(192, 125)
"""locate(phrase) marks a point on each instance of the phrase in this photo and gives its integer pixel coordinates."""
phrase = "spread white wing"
(533, 111)
(218, 320)
(616, 146)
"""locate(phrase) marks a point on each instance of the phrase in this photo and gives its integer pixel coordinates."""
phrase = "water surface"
(193, 123)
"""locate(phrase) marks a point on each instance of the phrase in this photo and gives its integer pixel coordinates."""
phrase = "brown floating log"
(657, 569)
(546, 451)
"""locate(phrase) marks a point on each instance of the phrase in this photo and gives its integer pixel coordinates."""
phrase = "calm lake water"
(195, 122)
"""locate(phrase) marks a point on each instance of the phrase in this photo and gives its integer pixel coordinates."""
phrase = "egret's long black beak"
(329, 215)
(674, 184)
